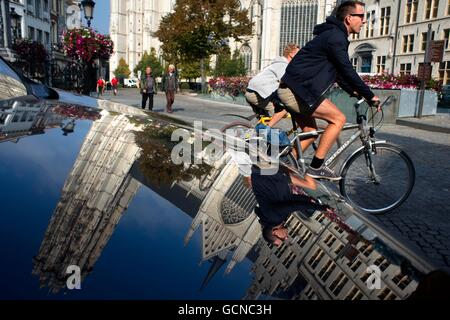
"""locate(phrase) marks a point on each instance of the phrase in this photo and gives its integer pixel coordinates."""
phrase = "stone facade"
(393, 38)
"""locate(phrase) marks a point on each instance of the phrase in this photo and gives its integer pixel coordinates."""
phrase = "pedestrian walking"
(147, 86)
(101, 83)
(170, 86)
(114, 84)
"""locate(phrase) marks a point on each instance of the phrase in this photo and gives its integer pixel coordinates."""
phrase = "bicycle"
(366, 183)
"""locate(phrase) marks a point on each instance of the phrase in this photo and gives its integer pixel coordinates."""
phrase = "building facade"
(132, 27)
(395, 35)
(326, 260)
(276, 23)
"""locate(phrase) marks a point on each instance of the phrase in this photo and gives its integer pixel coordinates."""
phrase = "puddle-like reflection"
(327, 255)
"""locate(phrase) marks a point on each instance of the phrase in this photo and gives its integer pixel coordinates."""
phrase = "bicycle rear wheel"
(377, 182)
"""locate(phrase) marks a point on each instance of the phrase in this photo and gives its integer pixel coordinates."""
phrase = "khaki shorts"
(258, 103)
(295, 105)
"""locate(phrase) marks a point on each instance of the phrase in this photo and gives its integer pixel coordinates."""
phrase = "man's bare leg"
(336, 120)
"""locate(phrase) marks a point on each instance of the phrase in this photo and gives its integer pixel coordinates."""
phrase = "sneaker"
(323, 173)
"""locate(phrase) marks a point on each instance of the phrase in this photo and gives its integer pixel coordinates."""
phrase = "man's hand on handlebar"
(375, 102)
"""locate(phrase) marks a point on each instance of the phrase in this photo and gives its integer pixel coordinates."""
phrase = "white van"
(130, 83)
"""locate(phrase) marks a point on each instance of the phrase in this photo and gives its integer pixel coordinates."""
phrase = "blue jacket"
(322, 62)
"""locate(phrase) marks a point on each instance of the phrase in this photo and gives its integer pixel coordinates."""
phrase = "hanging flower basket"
(87, 45)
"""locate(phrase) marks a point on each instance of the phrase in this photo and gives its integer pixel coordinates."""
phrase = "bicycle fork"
(369, 150)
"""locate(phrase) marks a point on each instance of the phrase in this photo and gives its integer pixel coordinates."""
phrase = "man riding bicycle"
(313, 71)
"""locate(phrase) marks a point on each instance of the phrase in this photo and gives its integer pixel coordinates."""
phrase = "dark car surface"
(88, 188)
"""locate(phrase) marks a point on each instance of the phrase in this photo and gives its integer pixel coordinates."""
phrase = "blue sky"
(101, 16)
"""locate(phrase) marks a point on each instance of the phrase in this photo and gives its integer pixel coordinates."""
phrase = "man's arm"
(338, 53)
(344, 85)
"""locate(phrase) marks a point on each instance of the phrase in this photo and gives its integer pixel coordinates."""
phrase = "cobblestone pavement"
(424, 219)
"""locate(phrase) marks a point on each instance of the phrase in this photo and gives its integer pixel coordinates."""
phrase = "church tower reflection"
(94, 197)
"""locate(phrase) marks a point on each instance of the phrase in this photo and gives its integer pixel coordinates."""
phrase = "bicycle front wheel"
(377, 181)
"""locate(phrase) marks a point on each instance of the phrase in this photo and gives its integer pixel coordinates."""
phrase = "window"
(38, 9)
(298, 18)
(402, 281)
(446, 37)
(411, 11)
(39, 36)
(408, 43)
(289, 259)
(424, 40)
(387, 294)
(47, 38)
(444, 72)
(354, 294)
(246, 54)
(384, 20)
(355, 36)
(326, 271)
(31, 33)
(405, 68)
(431, 8)
(448, 8)
(330, 240)
(46, 6)
(382, 263)
(315, 259)
(366, 63)
(338, 283)
(369, 25)
(381, 64)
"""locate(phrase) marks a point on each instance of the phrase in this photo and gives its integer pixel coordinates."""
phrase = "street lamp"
(88, 8)
(15, 19)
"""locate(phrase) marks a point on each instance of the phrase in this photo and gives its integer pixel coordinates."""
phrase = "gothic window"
(246, 54)
(298, 18)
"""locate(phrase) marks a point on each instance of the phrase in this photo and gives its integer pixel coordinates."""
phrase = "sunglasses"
(361, 15)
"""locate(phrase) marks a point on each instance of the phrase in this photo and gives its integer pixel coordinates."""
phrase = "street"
(424, 219)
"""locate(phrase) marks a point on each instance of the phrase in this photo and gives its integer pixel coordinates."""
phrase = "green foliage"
(191, 69)
(196, 29)
(150, 60)
(123, 70)
(184, 86)
(156, 157)
(230, 66)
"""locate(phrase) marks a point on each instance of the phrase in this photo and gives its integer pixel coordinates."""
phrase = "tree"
(149, 60)
(197, 29)
(123, 70)
(230, 66)
(191, 69)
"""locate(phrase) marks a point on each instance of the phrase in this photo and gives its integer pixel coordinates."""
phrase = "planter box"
(404, 104)
(240, 99)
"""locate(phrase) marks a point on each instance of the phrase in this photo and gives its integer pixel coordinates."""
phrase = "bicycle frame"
(365, 133)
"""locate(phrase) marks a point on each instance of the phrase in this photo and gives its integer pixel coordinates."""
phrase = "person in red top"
(114, 84)
(100, 86)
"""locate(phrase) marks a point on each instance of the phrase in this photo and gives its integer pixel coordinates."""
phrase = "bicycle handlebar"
(374, 104)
